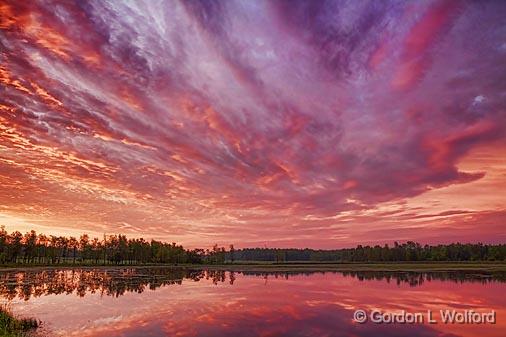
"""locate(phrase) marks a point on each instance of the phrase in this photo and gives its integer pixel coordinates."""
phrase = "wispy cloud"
(204, 121)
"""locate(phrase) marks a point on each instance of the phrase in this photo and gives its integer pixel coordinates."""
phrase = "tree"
(30, 242)
(4, 244)
(84, 246)
(73, 245)
(118, 249)
(232, 252)
(15, 245)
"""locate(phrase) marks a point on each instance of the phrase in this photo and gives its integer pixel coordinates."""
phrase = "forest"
(32, 248)
(404, 252)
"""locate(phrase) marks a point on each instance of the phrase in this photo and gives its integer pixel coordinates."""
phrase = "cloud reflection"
(165, 302)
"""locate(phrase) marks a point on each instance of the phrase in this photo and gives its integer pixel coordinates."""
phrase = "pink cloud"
(203, 122)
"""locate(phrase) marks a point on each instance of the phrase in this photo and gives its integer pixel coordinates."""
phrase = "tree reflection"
(117, 282)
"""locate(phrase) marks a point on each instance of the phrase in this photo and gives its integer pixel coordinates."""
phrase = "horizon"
(254, 123)
(226, 245)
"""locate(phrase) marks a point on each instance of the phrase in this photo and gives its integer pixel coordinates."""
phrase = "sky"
(320, 124)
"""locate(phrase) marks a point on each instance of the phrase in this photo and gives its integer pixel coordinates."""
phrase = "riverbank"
(11, 326)
(345, 267)
(297, 267)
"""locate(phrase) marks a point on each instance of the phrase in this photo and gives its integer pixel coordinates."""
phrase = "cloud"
(219, 115)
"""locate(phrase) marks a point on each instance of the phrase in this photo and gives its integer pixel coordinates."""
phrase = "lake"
(181, 302)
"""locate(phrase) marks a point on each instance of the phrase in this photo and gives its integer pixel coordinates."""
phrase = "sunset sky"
(259, 123)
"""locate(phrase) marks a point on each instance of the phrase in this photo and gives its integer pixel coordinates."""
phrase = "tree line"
(407, 252)
(33, 248)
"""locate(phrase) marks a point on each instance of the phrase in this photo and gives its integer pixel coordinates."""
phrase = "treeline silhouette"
(405, 252)
(117, 282)
(33, 248)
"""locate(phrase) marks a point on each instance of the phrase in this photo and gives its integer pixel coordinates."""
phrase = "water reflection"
(117, 282)
(185, 302)
(113, 282)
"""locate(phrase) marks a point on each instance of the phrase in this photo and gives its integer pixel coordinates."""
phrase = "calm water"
(167, 302)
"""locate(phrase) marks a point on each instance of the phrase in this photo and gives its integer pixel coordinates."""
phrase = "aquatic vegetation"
(11, 326)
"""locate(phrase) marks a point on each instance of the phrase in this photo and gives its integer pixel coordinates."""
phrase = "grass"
(11, 326)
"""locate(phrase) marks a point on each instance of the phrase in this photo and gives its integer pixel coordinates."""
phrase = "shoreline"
(294, 267)
(14, 326)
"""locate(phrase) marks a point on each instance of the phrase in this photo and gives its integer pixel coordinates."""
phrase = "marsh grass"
(11, 326)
